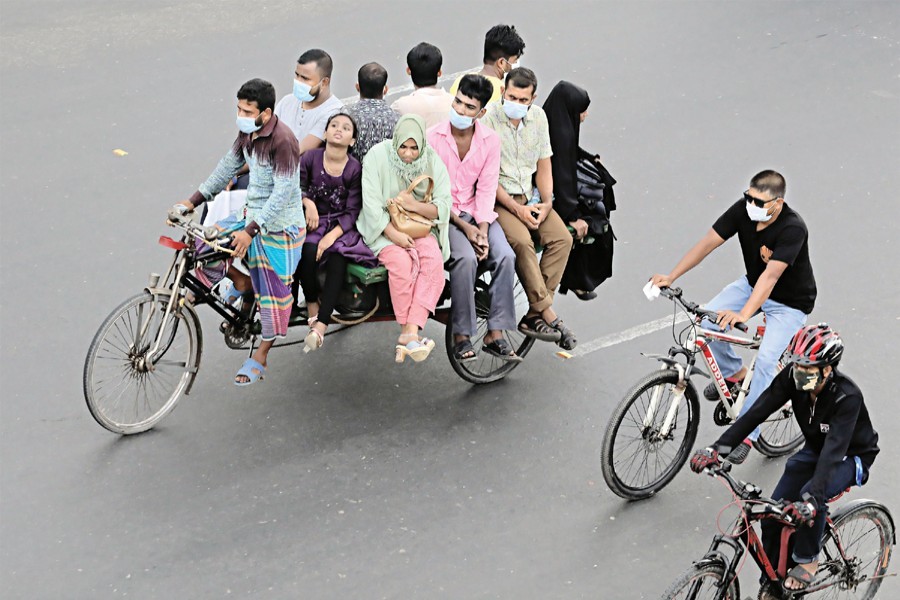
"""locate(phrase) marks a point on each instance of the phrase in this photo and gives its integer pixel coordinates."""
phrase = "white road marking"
(408, 87)
(626, 335)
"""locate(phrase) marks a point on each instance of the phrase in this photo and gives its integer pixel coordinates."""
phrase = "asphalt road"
(341, 475)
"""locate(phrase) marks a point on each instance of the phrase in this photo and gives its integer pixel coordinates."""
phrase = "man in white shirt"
(307, 109)
(423, 65)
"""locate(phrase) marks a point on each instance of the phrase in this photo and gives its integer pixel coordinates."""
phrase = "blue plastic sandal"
(247, 370)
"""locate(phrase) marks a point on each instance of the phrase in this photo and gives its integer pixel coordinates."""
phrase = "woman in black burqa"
(583, 195)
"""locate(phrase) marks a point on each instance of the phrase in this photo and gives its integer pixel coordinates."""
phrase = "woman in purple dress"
(333, 183)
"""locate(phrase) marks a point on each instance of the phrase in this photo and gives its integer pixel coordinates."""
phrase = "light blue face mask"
(302, 91)
(514, 110)
(248, 124)
(460, 121)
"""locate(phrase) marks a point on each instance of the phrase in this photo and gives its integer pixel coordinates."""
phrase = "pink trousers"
(416, 279)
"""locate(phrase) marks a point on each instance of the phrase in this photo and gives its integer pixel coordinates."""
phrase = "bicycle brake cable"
(736, 501)
(692, 325)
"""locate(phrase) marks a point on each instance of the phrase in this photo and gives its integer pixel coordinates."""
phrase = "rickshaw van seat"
(357, 273)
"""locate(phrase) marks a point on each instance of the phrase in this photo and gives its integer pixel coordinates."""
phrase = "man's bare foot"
(491, 335)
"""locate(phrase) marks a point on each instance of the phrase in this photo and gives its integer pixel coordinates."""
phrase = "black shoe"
(582, 295)
(739, 454)
(711, 391)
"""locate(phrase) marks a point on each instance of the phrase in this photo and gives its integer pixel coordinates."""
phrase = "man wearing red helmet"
(840, 448)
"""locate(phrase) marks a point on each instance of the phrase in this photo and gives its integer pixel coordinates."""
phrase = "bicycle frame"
(728, 549)
(179, 278)
(698, 343)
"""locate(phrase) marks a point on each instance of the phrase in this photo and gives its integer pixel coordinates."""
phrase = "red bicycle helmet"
(814, 346)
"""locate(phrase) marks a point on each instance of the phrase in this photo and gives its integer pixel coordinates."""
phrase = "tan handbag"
(412, 224)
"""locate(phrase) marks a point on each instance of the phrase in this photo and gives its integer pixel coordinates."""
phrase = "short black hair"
(522, 77)
(424, 62)
(342, 114)
(322, 59)
(260, 91)
(372, 78)
(502, 41)
(771, 182)
(476, 86)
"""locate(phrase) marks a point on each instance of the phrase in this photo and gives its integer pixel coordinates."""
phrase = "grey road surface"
(342, 475)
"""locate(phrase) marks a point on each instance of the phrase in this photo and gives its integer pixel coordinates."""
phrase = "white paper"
(651, 291)
(223, 205)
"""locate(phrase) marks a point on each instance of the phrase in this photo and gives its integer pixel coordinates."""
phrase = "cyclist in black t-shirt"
(841, 443)
(779, 282)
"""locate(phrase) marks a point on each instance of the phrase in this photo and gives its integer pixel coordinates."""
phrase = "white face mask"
(760, 215)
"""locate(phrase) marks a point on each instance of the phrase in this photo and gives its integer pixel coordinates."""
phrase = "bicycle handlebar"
(751, 492)
(213, 237)
(675, 294)
(178, 219)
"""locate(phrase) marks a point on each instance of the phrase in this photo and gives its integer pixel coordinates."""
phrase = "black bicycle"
(146, 354)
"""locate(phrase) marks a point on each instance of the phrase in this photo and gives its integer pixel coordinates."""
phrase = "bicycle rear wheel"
(127, 388)
(637, 459)
(702, 582)
(486, 368)
(866, 535)
(779, 434)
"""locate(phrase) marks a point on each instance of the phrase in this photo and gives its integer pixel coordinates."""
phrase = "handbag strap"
(415, 183)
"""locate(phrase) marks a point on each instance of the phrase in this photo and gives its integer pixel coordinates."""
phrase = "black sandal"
(462, 349)
(538, 328)
(801, 576)
(567, 340)
(502, 350)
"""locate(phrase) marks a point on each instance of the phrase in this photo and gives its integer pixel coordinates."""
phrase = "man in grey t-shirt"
(310, 104)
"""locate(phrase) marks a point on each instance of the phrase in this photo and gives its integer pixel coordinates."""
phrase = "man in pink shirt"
(471, 153)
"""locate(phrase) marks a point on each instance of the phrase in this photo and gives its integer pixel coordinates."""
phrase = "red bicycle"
(856, 549)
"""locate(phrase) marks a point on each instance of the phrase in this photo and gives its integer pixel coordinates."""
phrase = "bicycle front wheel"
(866, 536)
(702, 583)
(780, 434)
(140, 362)
(641, 455)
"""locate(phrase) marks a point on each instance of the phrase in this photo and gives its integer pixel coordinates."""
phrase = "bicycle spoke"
(641, 454)
(126, 387)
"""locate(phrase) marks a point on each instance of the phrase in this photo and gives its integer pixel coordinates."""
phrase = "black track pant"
(335, 270)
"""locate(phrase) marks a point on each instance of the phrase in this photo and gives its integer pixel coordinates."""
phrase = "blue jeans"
(799, 470)
(782, 322)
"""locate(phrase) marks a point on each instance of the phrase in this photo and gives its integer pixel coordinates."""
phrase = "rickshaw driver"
(270, 228)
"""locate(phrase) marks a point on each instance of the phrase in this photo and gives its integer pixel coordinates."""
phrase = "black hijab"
(564, 106)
